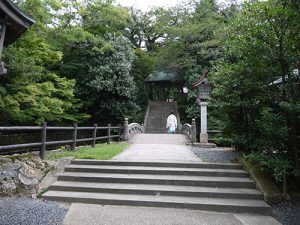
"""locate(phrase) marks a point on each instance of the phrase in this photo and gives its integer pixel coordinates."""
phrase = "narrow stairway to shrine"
(157, 114)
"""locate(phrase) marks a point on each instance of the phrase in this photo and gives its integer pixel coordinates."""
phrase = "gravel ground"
(288, 212)
(216, 154)
(25, 211)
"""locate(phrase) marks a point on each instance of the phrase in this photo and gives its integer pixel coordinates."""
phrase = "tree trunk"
(292, 142)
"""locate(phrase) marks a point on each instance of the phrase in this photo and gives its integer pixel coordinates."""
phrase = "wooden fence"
(73, 142)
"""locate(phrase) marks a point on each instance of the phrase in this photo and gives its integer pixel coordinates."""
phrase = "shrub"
(273, 163)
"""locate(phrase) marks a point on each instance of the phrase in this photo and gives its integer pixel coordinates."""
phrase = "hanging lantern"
(204, 88)
(204, 91)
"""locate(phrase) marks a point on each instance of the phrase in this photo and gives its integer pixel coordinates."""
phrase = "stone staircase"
(203, 186)
(157, 116)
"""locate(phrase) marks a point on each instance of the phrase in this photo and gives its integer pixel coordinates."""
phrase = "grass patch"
(100, 152)
(40, 194)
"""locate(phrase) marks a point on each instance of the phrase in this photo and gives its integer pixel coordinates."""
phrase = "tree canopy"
(86, 62)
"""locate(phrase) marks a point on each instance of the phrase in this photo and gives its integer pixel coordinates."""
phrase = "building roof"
(201, 80)
(17, 21)
(163, 76)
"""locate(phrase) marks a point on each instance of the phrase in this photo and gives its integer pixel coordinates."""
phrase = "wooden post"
(193, 131)
(74, 136)
(2, 36)
(119, 133)
(126, 131)
(108, 134)
(44, 139)
(94, 135)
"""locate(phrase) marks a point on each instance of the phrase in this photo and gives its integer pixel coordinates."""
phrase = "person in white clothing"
(171, 123)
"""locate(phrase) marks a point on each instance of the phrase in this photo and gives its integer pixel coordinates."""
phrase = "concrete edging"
(272, 195)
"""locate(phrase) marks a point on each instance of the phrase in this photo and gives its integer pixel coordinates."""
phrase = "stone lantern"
(204, 93)
(13, 23)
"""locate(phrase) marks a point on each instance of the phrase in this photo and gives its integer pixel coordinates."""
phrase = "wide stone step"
(144, 189)
(211, 204)
(157, 170)
(204, 181)
(158, 164)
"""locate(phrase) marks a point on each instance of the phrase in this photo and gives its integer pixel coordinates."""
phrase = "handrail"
(135, 128)
(44, 143)
(190, 131)
(187, 130)
(132, 129)
(147, 115)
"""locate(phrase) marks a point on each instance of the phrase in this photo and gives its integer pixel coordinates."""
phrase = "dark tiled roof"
(201, 80)
(17, 21)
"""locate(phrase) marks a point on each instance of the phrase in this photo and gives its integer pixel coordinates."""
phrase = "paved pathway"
(85, 214)
(158, 147)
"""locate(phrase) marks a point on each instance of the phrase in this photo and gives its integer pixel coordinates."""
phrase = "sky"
(145, 5)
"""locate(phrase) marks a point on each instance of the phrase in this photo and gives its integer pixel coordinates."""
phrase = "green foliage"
(108, 86)
(32, 93)
(258, 48)
(275, 164)
(101, 17)
(52, 100)
(100, 152)
(91, 58)
(191, 47)
(150, 29)
(143, 65)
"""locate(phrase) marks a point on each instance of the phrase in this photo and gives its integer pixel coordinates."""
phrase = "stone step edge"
(124, 170)
(206, 183)
(264, 210)
(212, 193)
(159, 177)
(179, 169)
(156, 164)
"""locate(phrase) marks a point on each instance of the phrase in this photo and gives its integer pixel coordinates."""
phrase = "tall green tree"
(108, 87)
(99, 58)
(149, 30)
(101, 17)
(257, 81)
(32, 93)
(191, 48)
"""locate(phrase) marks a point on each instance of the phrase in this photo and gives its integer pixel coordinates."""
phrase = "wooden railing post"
(193, 131)
(74, 137)
(108, 134)
(126, 131)
(44, 139)
(119, 132)
(94, 135)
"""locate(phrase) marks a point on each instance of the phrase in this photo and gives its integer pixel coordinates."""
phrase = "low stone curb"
(201, 145)
(272, 195)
